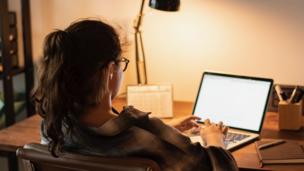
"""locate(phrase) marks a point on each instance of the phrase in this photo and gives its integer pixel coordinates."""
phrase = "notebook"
(288, 152)
(238, 101)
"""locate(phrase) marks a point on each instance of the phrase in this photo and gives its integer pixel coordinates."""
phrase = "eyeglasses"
(123, 63)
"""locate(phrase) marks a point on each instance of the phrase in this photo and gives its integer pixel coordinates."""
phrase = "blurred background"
(258, 38)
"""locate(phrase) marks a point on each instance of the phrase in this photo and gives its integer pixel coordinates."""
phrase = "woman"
(80, 75)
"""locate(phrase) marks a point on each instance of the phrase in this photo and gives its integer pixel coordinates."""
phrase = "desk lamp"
(164, 5)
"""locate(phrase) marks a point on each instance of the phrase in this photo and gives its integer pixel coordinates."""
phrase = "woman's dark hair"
(72, 75)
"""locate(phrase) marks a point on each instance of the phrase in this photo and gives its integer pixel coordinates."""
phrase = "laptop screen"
(240, 102)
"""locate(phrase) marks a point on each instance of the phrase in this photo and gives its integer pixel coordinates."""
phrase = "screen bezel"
(242, 77)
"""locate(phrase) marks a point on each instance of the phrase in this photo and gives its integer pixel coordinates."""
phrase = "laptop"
(240, 102)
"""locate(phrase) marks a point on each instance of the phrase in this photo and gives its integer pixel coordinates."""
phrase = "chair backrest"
(36, 157)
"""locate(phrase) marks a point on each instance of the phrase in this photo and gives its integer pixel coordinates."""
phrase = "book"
(287, 152)
(155, 98)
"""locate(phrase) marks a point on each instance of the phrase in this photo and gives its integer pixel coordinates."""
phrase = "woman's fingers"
(196, 130)
(194, 124)
(225, 130)
(220, 124)
(191, 124)
(222, 127)
(207, 122)
(195, 117)
(191, 118)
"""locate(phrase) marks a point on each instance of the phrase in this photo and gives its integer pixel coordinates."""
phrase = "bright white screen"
(238, 102)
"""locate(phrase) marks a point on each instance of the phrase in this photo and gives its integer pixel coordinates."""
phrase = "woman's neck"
(99, 114)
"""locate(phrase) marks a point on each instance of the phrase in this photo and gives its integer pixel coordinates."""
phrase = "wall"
(251, 37)
(261, 38)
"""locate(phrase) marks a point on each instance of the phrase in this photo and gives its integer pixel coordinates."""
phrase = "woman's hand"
(214, 134)
(185, 123)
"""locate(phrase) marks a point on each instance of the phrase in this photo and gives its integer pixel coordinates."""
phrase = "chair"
(36, 157)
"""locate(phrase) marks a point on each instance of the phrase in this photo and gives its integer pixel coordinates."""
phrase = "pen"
(298, 96)
(270, 144)
(279, 92)
(293, 94)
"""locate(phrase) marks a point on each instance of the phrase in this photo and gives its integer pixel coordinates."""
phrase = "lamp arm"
(139, 17)
(139, 48)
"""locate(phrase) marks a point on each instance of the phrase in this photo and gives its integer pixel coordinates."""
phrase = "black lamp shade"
(165, 5)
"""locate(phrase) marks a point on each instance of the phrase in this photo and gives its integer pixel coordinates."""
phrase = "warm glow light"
(260, 38)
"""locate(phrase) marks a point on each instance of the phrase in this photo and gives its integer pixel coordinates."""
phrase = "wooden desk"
(27, 131)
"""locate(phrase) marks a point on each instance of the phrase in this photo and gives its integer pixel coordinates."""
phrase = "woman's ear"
(111, 70)
(108, 76)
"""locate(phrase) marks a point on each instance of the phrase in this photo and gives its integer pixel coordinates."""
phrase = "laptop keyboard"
(234, 137)
(230, 139)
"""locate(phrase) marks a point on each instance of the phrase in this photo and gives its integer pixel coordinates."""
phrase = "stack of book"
(282, 152)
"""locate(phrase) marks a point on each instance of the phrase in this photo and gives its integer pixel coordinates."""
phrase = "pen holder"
(290, 116)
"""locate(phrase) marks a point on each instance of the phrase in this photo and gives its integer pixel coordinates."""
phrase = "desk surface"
(27, 131)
